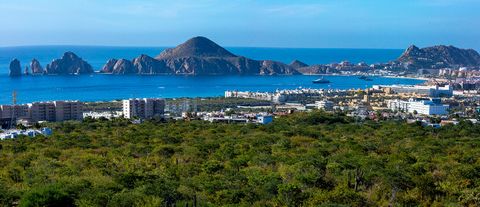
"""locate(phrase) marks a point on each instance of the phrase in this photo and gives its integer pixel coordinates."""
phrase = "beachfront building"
(283, 96)
(143, 108)
(430, 91)
(432, 106)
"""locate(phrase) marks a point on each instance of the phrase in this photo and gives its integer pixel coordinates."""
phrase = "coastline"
(383, 76)
(406, 77)
(110, 87)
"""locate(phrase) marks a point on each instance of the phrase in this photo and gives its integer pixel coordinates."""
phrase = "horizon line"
(157, 46)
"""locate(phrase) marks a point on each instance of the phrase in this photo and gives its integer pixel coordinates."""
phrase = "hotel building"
(143, 108)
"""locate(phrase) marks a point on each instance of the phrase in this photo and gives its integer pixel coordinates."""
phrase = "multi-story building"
(17, 111)
(143, 108)
(41, 111)
(426, 107)
(325, 105)
(68, 110)
(430, 91)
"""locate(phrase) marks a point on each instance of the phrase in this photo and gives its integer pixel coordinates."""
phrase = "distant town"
(435, 103)
(449, 94)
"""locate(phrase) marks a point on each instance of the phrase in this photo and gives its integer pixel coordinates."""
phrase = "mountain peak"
(196, 47)
(412, 48)
(298, 64)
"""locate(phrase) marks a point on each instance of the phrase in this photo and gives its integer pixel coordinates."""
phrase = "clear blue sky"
(260, 23)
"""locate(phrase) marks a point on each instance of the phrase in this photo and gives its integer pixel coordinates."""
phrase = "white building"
(426, 107)
(283, 96)
(143, 108)
(103, 114)
(431, 91)
(10, 134)
(324, 105)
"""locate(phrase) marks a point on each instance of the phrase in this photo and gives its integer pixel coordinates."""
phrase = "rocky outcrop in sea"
(35, 67)
(69, 64)
(199, 56)
(15, 68)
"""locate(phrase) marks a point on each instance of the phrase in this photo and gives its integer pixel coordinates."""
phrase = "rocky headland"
(201, 56)
(439, 56)
(197, 56)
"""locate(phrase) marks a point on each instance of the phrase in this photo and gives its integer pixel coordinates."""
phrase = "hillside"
(439, 57)
(310, 159)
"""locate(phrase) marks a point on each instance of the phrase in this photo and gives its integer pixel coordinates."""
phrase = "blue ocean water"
(98, 87)
(97, 56)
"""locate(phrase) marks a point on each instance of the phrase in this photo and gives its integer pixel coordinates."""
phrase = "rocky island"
(201, 56)
(197, 56)
(69, 64)
(15, 68)
(36, 67)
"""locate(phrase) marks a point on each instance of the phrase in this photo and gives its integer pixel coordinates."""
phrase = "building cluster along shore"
(202, 56)
(450, 93)
(433, 103)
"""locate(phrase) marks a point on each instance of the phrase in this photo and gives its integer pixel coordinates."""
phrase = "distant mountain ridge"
(439, 56)
(199, 56)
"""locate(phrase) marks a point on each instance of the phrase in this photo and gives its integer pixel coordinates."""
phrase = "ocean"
(98, 87)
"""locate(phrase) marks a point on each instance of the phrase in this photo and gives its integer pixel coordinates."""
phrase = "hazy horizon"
(347, 24)
(171, 46)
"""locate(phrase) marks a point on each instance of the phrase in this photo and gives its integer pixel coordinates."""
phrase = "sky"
(247, 23)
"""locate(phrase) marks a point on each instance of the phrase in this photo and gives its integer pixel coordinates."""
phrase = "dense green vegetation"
(309, 159)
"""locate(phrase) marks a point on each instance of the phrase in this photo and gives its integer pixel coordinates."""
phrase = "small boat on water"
(321, 81)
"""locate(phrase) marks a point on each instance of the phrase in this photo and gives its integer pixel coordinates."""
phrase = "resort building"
(143, 108)
(425, 107)
(430, 91)
(284, 96)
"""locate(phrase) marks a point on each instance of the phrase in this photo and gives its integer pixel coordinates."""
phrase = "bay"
(98, 87)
